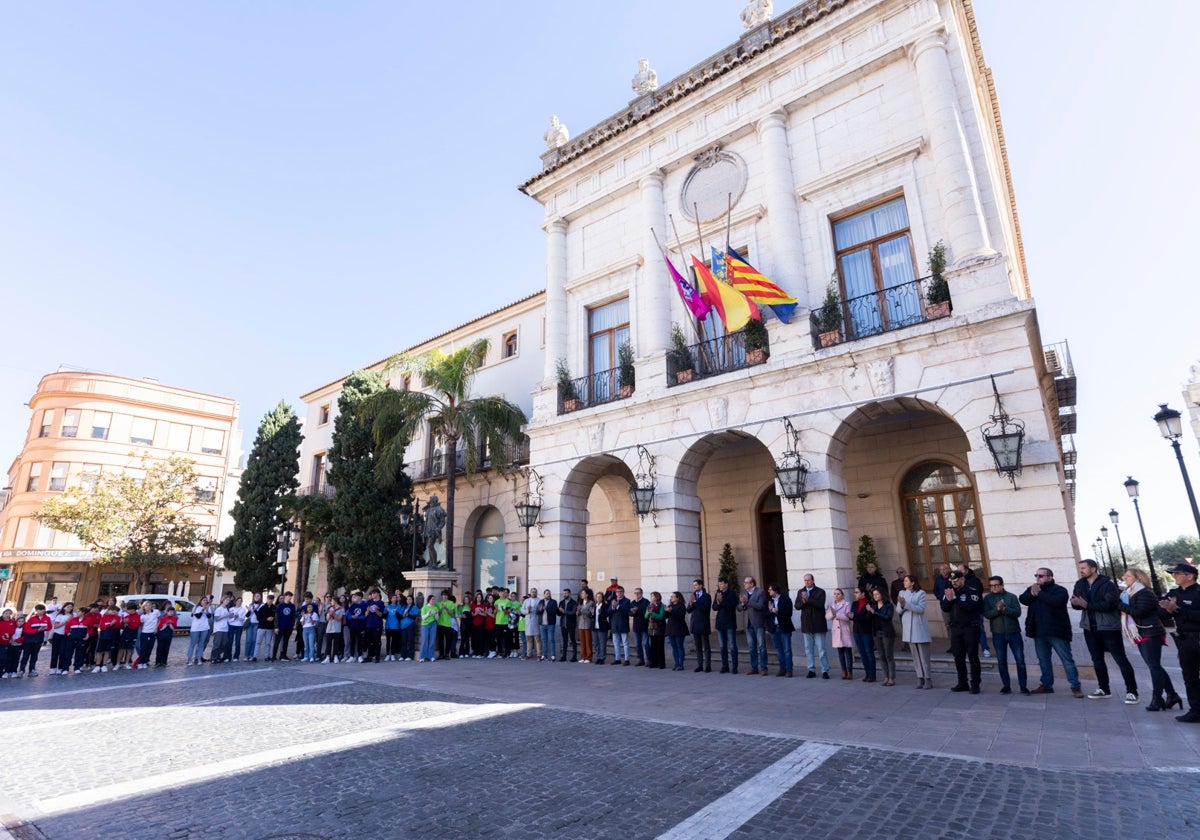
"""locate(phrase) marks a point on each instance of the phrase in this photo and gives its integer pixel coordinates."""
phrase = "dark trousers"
(503, 639)
(279, 645)
(569, 639)
(729, 648)
(165, 637)
(445, 641)
(846, 659)
(964, 644)
(658, 651)
(408, 640)
(1188, 645)
(1005, 642)
(1151, 651)
(145, 647)
(703, 649)
(29, 656)
(334, 645)
(393, 642)
(56, 647)
(374, 637)
(320, 640)
(1100, 642)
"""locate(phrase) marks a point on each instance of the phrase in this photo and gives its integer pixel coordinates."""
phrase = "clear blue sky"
(253, 199)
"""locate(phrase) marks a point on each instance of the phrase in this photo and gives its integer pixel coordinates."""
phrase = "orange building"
(83, 425)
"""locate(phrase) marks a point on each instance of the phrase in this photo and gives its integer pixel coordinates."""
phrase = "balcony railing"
(892, 308)
(323, 489)
(434, 466)
(594, 389)
(712, 357)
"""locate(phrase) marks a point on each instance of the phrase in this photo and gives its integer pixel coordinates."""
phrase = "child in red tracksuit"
(108, 632)
(131, 624)
(87, 654)
(8, 626)
(37, 628)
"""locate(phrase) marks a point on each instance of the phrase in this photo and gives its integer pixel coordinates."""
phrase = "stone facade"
(840, 109)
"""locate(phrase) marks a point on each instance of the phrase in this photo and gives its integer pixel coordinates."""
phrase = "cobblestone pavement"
(532, 750)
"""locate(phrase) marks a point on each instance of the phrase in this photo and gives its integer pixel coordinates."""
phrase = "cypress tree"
(268, 485)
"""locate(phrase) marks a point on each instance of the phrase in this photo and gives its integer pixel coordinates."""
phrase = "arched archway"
(599, 517)
(489, 549)
(941, 519)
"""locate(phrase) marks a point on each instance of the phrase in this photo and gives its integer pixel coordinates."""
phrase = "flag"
(731, 305)
(755, 286)
(720, 269)
(691, 298)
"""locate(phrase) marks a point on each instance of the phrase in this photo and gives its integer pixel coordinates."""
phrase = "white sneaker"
(1101, 694)
(492, 655)
(987, 654)
(1131, 699)
(128, 667)
(325, 661)
(103, 669)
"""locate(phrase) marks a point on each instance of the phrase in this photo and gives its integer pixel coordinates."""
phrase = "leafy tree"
(1166, 554)
(143, 524)
(364, 514)
(866, 554)
(729, 568)
(267, 489)
(456, 419)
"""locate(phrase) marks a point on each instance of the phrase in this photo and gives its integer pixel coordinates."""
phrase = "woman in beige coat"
(914, 628)
(838, 616)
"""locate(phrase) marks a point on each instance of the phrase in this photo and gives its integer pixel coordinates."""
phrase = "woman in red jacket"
(168, 623)
(8, 626)
(37, 627)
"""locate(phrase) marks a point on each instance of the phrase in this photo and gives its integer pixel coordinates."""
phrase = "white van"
(183, 607)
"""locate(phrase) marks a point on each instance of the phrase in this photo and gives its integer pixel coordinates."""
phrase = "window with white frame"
(510, 345)
(58, 476)
(101, 421)
(47, 423)
(213, 442)
(70, 423)
(141, 431)
(35, 477)
(323, 415)
(179, 436)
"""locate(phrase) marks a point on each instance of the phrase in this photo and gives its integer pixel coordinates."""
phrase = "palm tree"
(455, 418)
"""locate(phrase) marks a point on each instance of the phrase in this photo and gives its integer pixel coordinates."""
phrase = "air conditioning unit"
(1053, 363)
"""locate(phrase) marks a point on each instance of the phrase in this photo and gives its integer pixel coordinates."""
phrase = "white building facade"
(840, 139)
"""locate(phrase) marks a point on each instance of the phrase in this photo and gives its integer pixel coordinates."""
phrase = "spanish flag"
(756, 287)
(731, 305)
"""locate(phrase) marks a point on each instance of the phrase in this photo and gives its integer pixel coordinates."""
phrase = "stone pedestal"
(434, 580)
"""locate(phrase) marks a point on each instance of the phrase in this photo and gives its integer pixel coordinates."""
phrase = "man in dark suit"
(725, 604)
(638, 608)
(754, 603)
(810, 601)
(700, 608)
(779, 608)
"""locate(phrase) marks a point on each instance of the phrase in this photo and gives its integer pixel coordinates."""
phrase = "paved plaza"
(488, 748)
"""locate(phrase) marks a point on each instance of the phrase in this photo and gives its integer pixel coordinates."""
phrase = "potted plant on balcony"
(625, 372)
(681, 356)
(567, 395)
(937, 296)
(755, 333)
(829, 316)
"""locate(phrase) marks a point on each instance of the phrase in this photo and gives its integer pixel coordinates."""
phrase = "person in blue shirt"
(392, 627)
(285, 620)
(376, 613)
(356, 621)
(410, 616)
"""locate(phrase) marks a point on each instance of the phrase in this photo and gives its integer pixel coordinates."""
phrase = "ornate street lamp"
(644, 484)
(792, 470)
(285, 534)
(1004, 437)
(1170, 424)
(1113, 516)
(529, 508)
(1131, 487)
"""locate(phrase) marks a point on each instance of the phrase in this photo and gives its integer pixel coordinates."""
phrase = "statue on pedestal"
(646, 79)
(435, 523)
(756, 12)
(556, 135)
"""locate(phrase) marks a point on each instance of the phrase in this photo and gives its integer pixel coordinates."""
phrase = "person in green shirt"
(445, 632)
(1004, 611)
(500, 644)
(429, 626)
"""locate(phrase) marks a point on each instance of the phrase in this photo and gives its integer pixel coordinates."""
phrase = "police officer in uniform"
(963, 607)
(1183, 605)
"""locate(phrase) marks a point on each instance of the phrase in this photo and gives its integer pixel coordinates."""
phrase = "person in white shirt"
(220, 637)
(237, 621)
(147, 634)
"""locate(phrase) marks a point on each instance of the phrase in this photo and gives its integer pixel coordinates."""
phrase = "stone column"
(817, 542)
(966, 232)
(670, 549)
(556, 294)
(653, 328)
(784, 264)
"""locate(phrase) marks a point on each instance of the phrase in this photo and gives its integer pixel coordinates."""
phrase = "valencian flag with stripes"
(731, 306)
(691, 298)
(754, 285)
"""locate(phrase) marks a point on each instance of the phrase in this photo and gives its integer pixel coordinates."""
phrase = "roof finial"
(645, 80)
(756, 12)
(556, 135)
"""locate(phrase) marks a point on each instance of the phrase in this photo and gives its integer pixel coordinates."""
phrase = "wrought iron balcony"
(594, 389)
(893, 308)
(713, 357)
(323, 489)
(434, 466)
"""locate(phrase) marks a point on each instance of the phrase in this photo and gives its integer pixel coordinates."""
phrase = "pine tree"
(729, 568)
(268, 486)
(364, 524)
(866, 554)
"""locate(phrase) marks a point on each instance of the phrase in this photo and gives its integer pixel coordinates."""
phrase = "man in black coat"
(641, 625)
(810, 601)
(779, 610)
(700, 608)
(1099, 599)
(1183, 605)
(872, 579)
(568, 610)
(963, 607)
(725, 605)
(1049, 625)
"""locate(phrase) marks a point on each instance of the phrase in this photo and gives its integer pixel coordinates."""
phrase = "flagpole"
(728, 222)
(679, 247)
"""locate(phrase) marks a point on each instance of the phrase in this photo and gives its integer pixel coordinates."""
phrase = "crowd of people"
(580, 626)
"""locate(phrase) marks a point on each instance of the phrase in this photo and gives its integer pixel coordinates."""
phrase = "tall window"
(70, 424)
(141, 431)
(941, 519)
(213, 442)
(179, 436)
(608, 329)
(58, 476)
(47, 422)
(510, 345)
(323, 415)
(35, 477)
(101, 420)
(318, 473)
(876, 267)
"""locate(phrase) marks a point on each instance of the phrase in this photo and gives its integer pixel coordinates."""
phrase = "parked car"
(183, 607)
